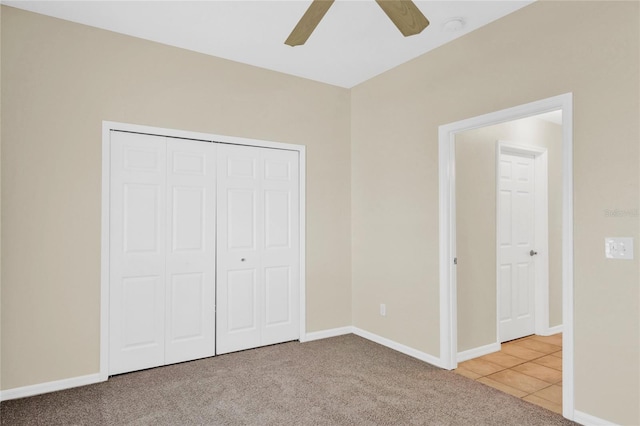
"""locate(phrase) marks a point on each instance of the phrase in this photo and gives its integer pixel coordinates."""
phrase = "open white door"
(258, 247)
(516, 246)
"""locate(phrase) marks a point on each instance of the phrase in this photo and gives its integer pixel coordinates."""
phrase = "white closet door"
(258, 256)
(281, 252)
(191, 250)
(137, 252)
(240, 234)
(162, 267)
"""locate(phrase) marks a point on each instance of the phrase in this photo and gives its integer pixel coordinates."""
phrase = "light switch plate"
(618, 248)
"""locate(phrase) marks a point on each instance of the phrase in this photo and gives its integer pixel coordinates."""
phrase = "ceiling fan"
(403, 13)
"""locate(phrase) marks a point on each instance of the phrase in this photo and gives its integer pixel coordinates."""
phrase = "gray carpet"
(344, 380)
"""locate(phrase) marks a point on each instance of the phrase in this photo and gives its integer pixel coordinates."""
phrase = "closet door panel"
(258, 248)
(241, 301)
(281, 253)
(191, 250)
(137, 252)
(278, 291)
(239, 291)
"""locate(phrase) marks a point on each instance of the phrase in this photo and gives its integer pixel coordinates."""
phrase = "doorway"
(450, 253)
(504, 215)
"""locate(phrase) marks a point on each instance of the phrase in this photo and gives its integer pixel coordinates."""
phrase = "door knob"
(533, 253)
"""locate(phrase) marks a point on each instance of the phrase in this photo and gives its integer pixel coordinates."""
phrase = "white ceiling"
(354, 42)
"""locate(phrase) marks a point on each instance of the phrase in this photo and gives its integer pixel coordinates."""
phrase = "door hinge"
(455, 260)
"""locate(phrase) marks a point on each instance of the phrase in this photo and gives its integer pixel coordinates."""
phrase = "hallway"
(529, 368)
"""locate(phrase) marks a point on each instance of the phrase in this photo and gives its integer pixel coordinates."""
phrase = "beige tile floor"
(529, 368)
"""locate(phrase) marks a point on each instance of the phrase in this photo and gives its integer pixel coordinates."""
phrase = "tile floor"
(529, 368)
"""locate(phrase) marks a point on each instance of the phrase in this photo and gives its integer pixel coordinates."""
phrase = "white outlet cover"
(618, 248)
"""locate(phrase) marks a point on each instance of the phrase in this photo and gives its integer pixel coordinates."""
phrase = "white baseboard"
(551, 330)
(56, 385)
(89, 379)
(589, 420)
(324, 334)
(477, 352)
(422, 356)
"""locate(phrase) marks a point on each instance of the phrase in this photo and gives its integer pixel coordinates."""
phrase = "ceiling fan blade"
(308, 22)
(405, 15)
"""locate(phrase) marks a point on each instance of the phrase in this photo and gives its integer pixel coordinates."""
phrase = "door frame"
(447, 233)
(107, 127)
(541, 232)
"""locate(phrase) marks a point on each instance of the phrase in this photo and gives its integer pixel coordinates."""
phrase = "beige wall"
(476, 223)
(542, 50)
(59, 81)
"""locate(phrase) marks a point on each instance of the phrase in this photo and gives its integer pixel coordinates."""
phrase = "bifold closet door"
(258, 247)
(191, 250)
(137, 252)
(162, 251)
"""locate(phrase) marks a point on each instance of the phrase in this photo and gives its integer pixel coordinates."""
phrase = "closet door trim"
(107, 128)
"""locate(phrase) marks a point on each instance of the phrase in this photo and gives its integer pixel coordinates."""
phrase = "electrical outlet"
(618, 248)
(383, 310)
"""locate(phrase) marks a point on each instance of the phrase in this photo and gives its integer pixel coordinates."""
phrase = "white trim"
(186, 134)
(549, 331)
(325, 334)
(568, 402)
(542, 242)
(107, 127)
(508, 147)
(53, 386)
(316, 335)
(422, 356)
(447, 176)
(302, 201)
(541, 237)
(478, 352)
(589, 420)
(104, 252)
(448, 321)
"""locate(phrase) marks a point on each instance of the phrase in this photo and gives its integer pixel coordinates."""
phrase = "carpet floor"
(343, 380)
